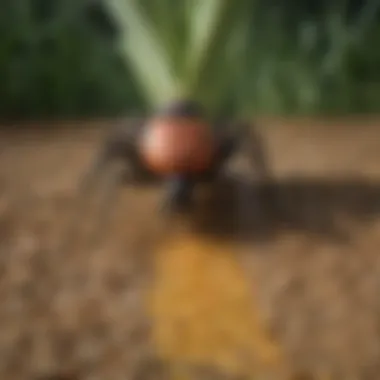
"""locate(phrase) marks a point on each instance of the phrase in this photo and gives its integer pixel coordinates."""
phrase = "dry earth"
(292, 283)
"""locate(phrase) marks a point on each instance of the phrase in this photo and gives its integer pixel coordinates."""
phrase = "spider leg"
(255, 150)
(116, 161)
(106, 205)
(243, 138)
(227, 147)
(178, 194)
(119, 146)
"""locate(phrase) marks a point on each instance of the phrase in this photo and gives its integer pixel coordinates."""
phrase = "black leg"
(225, 150)
(116, 161)
(244, 138)
(120, 146)
(253, 145)
(178, 195)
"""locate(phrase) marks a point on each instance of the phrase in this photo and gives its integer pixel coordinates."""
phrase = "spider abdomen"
(171, 145)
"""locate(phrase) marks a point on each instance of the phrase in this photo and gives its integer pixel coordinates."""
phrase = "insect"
(179, 147)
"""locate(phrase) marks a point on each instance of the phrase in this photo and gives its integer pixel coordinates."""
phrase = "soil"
(288, 282)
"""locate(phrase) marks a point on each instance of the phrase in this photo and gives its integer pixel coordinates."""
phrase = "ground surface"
(301, 285)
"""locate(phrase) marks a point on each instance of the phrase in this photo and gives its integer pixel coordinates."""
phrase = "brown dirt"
(306, 270)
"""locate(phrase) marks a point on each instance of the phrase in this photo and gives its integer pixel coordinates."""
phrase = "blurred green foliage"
(314, 57)
(59, 58)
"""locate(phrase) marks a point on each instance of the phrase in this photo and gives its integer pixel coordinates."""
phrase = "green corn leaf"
(169, 22)
(182, 49)
(211, 26)
(145, 52)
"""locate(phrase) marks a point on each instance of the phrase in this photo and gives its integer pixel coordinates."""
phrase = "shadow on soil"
(324, 208)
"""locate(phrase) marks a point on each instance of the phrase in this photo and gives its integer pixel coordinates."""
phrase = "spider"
(142, 149)
(178, 148)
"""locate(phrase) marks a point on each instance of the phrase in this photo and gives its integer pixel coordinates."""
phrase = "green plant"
(182, 50)
(321, 64)
(257, 58)
(57, 65)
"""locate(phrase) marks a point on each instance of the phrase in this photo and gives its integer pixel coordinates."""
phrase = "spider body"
(179, 147)
(173, 145)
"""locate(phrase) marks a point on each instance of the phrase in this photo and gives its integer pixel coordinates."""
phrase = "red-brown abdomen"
(177, 145)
